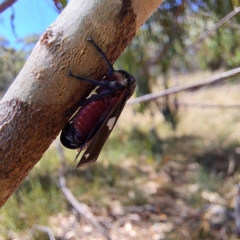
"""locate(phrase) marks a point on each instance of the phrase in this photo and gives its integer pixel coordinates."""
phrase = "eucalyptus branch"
(188, 87)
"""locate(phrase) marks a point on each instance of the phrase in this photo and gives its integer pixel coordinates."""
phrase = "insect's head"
(126, 80)
(68, 137)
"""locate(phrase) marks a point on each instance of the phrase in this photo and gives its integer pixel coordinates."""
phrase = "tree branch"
(188, 87)
(81, 208)
(37, 105)
(6, 4)
(210, 31)
(45, 229)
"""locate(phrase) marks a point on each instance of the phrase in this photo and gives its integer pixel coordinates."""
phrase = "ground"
(150, 182)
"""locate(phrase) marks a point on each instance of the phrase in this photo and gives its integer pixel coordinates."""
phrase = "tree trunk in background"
(37, 105)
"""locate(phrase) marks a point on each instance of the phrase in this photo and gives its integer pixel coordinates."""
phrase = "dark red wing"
(98, 140)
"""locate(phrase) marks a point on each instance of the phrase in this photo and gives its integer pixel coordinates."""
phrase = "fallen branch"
(81, 208)
(237, 212)
(188, 87)
(137, 209)
(43, 229)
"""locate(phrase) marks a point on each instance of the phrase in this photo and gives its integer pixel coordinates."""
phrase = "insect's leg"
(111, 69)
(92, 81)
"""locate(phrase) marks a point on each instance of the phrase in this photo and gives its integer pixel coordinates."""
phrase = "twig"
(81, 208)
(60, 152)
(214, 28)
(200, 38)
(137, 209)
(223, 233)
(237, 212)
(192, 86)
(231, 164)
(43, 229)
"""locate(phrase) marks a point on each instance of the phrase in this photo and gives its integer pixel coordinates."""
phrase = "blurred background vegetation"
(170, 170)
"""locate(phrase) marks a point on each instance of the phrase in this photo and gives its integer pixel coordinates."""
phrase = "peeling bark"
(37, 105)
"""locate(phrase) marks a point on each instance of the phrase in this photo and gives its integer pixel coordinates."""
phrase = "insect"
(92, 124)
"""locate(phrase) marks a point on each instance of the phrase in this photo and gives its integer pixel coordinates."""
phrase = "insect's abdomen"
(88, 116)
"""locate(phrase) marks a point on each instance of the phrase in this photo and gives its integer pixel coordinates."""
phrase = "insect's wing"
(93, 150)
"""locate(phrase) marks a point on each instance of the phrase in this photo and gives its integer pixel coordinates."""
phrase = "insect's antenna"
(111, 69)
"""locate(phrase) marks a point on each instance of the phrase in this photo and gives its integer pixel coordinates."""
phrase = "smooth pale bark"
(37, 105)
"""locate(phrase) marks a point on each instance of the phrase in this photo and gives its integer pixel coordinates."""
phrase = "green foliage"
(160, 48)
(36, 199)
(60, 4)
(11, 62)
(222, 50)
